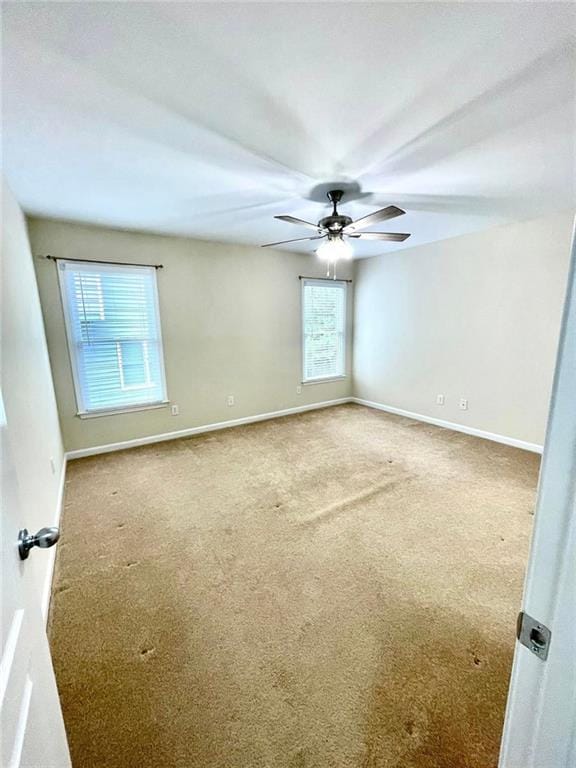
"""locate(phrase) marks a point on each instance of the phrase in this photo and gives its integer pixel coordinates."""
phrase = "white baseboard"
(81, 452)
(51, 553)
(533, 447)
(94, 450)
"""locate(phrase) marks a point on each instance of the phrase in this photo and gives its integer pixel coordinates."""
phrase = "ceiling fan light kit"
(334, 249)
(333, 230)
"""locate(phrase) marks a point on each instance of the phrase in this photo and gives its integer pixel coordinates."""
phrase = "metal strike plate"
(534, 635)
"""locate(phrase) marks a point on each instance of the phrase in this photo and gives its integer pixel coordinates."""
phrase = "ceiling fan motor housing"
(334, 223)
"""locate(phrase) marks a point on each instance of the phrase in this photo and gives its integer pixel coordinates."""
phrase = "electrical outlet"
(463, 404)
(439, 399)
(230, 401)
(175, 410)
(298, 390)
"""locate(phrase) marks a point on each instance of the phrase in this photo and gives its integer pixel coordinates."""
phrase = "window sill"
(327, 380)
(114, 411)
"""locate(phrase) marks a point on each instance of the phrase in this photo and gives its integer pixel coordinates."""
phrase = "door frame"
(539, 728)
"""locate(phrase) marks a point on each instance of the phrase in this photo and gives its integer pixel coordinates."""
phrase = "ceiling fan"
(334, 228)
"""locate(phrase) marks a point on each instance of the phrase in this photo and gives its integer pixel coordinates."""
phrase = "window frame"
(336, 377)
(81, 410)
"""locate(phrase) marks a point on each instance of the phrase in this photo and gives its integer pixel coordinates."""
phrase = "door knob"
(46, 537)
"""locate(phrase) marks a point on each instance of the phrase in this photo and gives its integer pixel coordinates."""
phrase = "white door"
(31, 726)
(540, 727)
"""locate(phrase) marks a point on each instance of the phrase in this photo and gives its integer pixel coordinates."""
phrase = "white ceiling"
(207, 119)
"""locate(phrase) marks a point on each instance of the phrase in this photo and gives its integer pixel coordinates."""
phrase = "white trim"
(541, 709)
(160, 336)
(126, 409)
(533, 447)
(110, 447)
(322, 283)
(51, 553)
(62, 267)
(327, 380)
(81, 452)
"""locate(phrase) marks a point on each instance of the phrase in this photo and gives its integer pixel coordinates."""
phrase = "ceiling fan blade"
(301, 222)
(395, 237)
(296, 240)
(373, 218)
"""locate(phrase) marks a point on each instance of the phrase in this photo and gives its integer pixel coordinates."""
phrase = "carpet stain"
(336, 589)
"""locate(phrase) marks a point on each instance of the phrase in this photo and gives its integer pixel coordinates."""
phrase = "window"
(324, 329)
(113, 328)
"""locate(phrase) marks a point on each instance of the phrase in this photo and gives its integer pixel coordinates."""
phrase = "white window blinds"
(324, 329)
(113, 327)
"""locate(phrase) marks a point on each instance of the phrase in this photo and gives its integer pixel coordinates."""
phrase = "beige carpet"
(336, 589)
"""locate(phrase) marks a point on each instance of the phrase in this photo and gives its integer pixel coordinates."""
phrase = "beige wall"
(477, 317)
(33, 431)
(230, 321)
